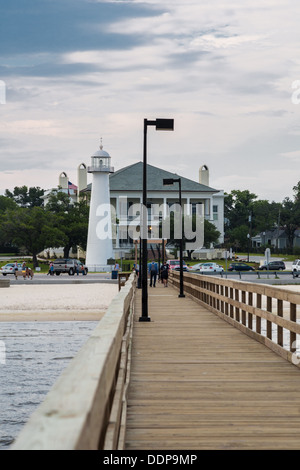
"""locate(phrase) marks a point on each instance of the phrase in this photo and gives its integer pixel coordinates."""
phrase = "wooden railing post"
(269, 324)
(237, 310)
(279, 328)
(244, 311)
(258, 319)
(231, 306)
(293, 318)
(250, 317)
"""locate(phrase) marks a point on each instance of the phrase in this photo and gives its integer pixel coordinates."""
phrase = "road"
(263, 277)
(39, 278)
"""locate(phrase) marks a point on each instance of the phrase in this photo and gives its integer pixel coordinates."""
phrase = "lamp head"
(164, 124)
(168, 181)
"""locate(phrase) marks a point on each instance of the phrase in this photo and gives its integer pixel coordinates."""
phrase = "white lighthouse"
(99, 243)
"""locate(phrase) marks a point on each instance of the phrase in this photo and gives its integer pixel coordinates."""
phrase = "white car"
(9, 268)
(207, 268)
(296, 267)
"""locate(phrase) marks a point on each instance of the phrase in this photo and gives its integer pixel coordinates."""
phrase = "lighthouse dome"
(100, 162)
(101, 153)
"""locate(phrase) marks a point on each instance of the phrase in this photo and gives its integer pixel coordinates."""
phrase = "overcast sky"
(228, 72)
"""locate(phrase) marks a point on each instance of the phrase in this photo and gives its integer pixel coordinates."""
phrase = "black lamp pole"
(170, 181)
(160, 124)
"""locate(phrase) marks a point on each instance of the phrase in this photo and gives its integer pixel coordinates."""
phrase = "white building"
(125, 190)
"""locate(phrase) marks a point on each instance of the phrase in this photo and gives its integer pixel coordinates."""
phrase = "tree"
(34, 229)
(290, 218)
(25, 197)
(238, 205)
(265, 215)
(71, 219)
(6, 203)
(211, 234)
(238, 237)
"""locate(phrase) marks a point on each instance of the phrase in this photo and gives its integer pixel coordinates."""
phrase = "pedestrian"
(153, 273)
(51, 269)
(16, 266)
(164, 274)
(116, 267)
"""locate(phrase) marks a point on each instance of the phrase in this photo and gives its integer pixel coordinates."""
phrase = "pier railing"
(265, 313)
(86, 408)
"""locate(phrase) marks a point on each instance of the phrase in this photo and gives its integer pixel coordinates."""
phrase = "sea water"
(32, 356)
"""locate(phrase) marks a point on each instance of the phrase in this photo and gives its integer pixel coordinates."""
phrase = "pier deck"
(199, 383)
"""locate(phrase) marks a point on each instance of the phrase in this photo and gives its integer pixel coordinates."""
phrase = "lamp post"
(160, 125)
(170, 181)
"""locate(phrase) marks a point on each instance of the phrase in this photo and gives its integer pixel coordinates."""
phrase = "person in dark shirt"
(164, 274)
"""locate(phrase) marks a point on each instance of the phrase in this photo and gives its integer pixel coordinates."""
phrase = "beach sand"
(68, 302)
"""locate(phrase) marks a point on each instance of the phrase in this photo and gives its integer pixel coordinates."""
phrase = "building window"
(215, 212)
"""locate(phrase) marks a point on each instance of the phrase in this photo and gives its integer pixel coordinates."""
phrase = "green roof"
(130, 178)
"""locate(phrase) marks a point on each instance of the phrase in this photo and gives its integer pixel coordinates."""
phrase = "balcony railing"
(101, 169)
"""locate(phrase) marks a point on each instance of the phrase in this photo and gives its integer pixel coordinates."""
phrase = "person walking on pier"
(153, 273)
(164, 274)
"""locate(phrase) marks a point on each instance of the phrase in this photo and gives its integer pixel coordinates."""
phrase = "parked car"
(9, 268)
(68, 265)
(274, 265)
(207, 267)
(175, 264)
(240, 267)
(296, 267)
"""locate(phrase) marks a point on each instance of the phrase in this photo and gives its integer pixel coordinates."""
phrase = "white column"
(211, 216)
(165, 208)
(188, 208)
(118, 225)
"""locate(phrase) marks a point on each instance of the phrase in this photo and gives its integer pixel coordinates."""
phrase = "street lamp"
(170, 181)
(160, 125)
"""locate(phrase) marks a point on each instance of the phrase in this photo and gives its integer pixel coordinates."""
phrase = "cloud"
(77, 70)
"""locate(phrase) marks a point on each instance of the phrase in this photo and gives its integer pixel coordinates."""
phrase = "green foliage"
(265, 215)
(25, 197)
(34, 229)
(211, 234)
(6, 203)
(72, 219)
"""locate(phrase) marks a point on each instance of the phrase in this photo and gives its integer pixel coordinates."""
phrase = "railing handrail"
(86, 407)
(245, 305)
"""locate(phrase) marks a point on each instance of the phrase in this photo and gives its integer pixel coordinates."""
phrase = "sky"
(73, 72)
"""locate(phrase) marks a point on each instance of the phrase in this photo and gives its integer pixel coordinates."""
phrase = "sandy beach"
(67, 302)
(80, 302)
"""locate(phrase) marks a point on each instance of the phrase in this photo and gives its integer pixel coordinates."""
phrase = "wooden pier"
(197, 382)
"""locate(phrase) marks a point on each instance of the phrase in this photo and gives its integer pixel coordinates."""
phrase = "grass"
(44, 265)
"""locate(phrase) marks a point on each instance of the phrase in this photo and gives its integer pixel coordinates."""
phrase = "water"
(32, 356)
